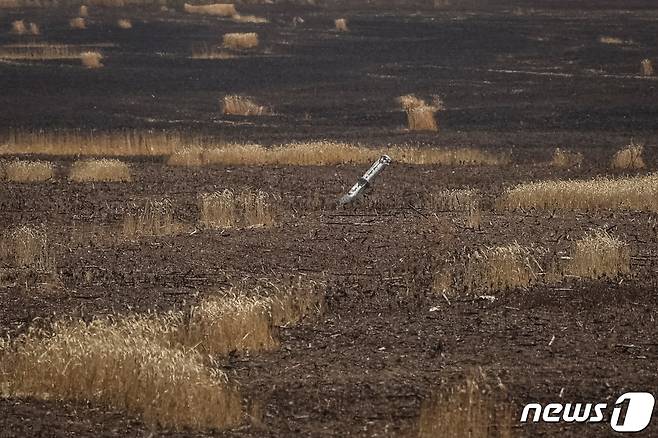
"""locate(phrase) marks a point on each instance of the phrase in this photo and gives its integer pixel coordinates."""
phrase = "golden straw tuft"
(91, 59)
(341, 25)
(77, 23)
(635, 193)
(217, 9)
(106, 170)
(246, 209)
(629, 157)
(563, 158)
(28, 171)
(240, 40)
(124, 23)
(237, 105)
(599, 255)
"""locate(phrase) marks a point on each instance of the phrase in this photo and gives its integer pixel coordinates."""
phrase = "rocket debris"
(364, 182)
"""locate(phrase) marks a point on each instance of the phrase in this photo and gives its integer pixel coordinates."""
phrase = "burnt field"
(208, 256)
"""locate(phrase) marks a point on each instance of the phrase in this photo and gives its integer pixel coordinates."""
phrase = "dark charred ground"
(524, 83)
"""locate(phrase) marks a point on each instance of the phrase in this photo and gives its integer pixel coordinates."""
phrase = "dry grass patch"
(638, 193)
(563, 158)
(420, 115)
(124, 23)
(205, 52)
(155, 218)
(220, 325)
(629, 157)
(252, 19)
(599, 255)
(240, 41)
(27, 247)
(448, 157)
(217, 9)
(120, 143)
(323, 153)
(470, 410)
(237, 105)
(452, 200)
(120, 365)
(77, 23)
(491, 269)
(611, 40)
(91, 59)
(18, 27)
(646, 68)
(28, 171)
(341, 25)
(106, 170)
(228, 209)
(35, 52)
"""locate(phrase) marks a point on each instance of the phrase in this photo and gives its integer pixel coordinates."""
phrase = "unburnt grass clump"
(77, 23)
(599, 255)
(106, 170)
(634, 193)
(125, 365)
(238, 105)
(629, 157)
(323, 153)
(27, 247)
(155, 218)
(28, 171)
(251, 19)
(228, 209)
(564, 158)
(217, 9)
(220, 325)
(646, 68)
(119, 143)
(240, 41)
(472, 409)
(19, 27)
(491, 269)
(91, 59)
(448, 157)
(452, 200)
(38, 51)
(204, 51)
(420, 115)
(341, 25)
(124, 23)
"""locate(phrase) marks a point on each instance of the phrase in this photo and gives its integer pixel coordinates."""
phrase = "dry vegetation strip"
(323, 153)
(470, 410)
(35, 52)
(228, 209)
(27, 247)
(217, 9)
(629, 157)
(151, 365)
(28, 171)
(240, 41)
(493, 269)
(237, 105)
(633, 193)
(155, 218)
(599, 255)
(563, 158)
(120, 365)
(106, 170)
(420, 115)
(109, 144)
